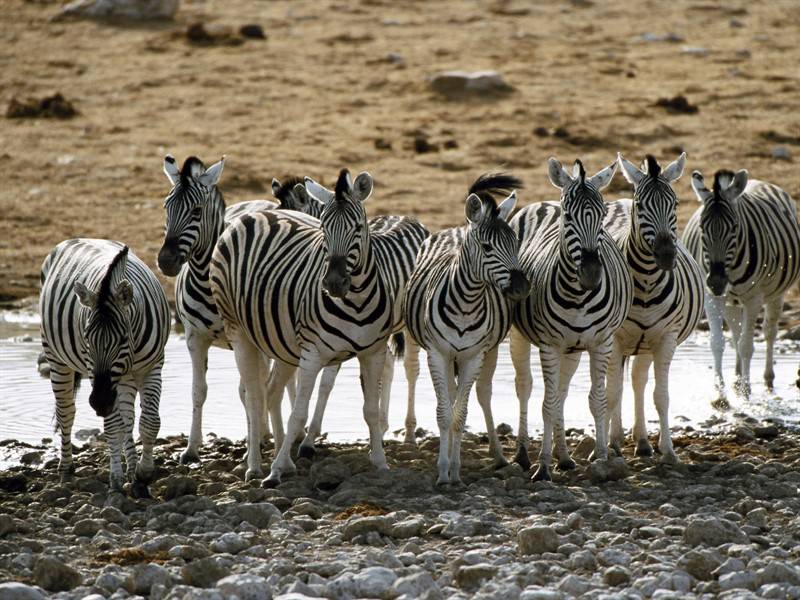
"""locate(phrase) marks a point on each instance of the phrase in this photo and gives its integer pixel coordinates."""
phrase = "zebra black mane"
(286, 188)
(104, 294)
(342, 188)
(581, 170)
(722, 177)
(653, 168)
(188, 164)
(489, 185)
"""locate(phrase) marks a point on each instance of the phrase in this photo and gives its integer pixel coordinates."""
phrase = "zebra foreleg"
(749, 316)
(248, 361)
(773, 312)
(523, 381)
(310, 367)
(62, 380)
(149, 425)
(598, 403)
(114, 429)
(639, 370)
(733, 317)
(387, 375)
(614, 381)
(198, 352)
(442, 376)
(715, 309)
(483, 388)
(468, 371)
(569, 364)
(126, 399)
(372, 364)
(326, 382)
(411, 365)
(662, 357)
(551, 367)
(265, 372)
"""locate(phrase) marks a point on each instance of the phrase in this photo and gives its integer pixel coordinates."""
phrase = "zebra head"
(191, 218)
(106, 331)
(344, 229)
(719, 224)
(492, 247)
(654, 218)
(292, 195)
(582, 212)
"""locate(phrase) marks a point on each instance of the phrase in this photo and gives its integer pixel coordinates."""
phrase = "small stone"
(584, 448)
(230, 542)
(253, 31)
(328, 474)
(537, 540)
(712, 531)
(178, 485)
(461, 84)
(575, 585)
(540, 593)
(7, 525)
(145, 576)
(612, 469)
(613, 556)
(19, 591)
(472, 576)
(261, 515)
(87, 527)
(204, 572)
(778, 572)
(54, 575)
(766, 432)
(415, 585)
(740, 579)
(137, 10)
(374, 582)
(781, 153)
(362, 525)
(31, 458)
(744, 433)
(616, 575)
(245, 587)
(700, 564)
(757, 517)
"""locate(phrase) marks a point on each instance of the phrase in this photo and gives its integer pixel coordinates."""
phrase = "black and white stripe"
(310, 297)
(581, 294)
(458, 307)
(746, 239)
(105, 315)
(667, 296)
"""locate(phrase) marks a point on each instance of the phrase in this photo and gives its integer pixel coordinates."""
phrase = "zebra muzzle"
(169, 258)
(590, 270)
(103, 395)
(518, 286)
(336, 281)
(665, 252)
(717, 279)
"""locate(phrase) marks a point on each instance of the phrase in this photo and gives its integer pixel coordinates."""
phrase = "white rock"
(574, 585)
(415, 585)
(781, 153)
(712, 531)
(612, 556)
(19, 591)
(537, 540)
(122, 9)
(739, 580)
(145, 576)
(459, 84)
(540, 593)
(245, 587)
(374, 582)
(229, 542)
(778, 572)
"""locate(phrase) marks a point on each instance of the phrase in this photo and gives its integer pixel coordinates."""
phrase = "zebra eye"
(486, 247)
(197, 210)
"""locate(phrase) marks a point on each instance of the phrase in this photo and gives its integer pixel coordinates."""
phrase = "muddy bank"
(724, 522)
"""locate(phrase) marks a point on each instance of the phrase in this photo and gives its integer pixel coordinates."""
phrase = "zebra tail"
(398, 345)
(42, 359)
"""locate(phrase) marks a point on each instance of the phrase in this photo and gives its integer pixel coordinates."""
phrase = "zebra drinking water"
(746, 238)
(309, 297)
(105, 315)
(581, 294)
(667, 296)
(458, 307)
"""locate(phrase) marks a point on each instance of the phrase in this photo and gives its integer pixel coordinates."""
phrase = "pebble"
(537, 540)
(616, 575)
(19, 591)
(245, 587)
(461, 84)
(135, 10)
(55, 575)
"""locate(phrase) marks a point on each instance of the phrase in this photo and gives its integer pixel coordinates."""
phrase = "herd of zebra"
(298, 285)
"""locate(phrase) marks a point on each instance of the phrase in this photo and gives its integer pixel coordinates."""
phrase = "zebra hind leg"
(442, 376)
(641, 365)
(614, 380)
(569, 364)
(662, 358)
(551, 366)
(773, 312)
(328, 378)
(387, 375)
(483, 388)
(521, 358)
(149, 425)
(411, 366)
(62, 380)
(372, 365)
(198, 352)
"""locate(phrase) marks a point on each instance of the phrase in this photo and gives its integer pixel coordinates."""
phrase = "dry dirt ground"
(345, 84)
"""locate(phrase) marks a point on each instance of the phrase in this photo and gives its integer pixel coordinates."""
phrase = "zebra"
(581, 294)
(746, 238)
(195, 217)
(105, 315)
(458, 307)
(667, 296)
(310, 296)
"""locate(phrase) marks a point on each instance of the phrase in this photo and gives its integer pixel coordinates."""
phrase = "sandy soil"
(322, 93)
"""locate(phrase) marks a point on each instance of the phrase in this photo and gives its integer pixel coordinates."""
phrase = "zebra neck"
(566, 275)
(465, 290)
(200, 259)
(364, 277)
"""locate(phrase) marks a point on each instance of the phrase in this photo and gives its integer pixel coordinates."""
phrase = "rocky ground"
(722, 524)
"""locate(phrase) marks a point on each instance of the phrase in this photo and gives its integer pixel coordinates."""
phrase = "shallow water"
(27, 404)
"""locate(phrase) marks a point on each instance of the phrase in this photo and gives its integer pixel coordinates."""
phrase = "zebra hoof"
(542, 474)
(522, 459)
(500, 462)
(643, 448)
(139, 489)
(566, 465)
(670, 458)
(721, 403)
(306, 452)
(270, 483)
(189, 457)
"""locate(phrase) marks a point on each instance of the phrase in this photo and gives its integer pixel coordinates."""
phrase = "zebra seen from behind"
(311, 296)
(105, 315)
(458, 307)
(667, 296)
(581, 294)
(746, 238)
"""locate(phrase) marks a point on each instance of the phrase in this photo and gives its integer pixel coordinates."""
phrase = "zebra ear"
(123, 293)
(473, 208)
(507, 205)
(629, 170)
(558, 174)
(673, 171)
(301, 195)
(699, 187)
(602, 178)
(212, 174)
(171, 169)
(735, 189)
(362, 186)
(86, 296)
(318, 192)
(276, 187)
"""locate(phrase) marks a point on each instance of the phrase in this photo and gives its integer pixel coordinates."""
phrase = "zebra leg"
(468, 371)
(114, 428)
(386, 391)
(750, 313)
(265, 371)
(309, 369)
(126, 400)
(483, 388)
(198, 352)
(441, 369)
(62, 380)
(521, 358)
(569, 364)
(773, 312)
(551, 370)
(372, 364)
(411, 365)
(639, 370)
(248, 361)
(614, 380)
(326, 382)
(715, 309)
(598, 403)
(662, 357)
(149, 424)
(733, 317)
(280, 374)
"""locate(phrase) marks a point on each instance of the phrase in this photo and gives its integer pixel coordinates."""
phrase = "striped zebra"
(746, 238)
(581, 294)
(667, 296)
(310, 296)
(195, 217)
(458, 307)
(105, 315)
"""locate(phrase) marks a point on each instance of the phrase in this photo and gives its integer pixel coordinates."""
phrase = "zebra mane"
(722, 179)
(653, 168)
(581, 170)
(489, 185)
(190, 168)
(342, 188)
(286, 188)
(104, 293)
